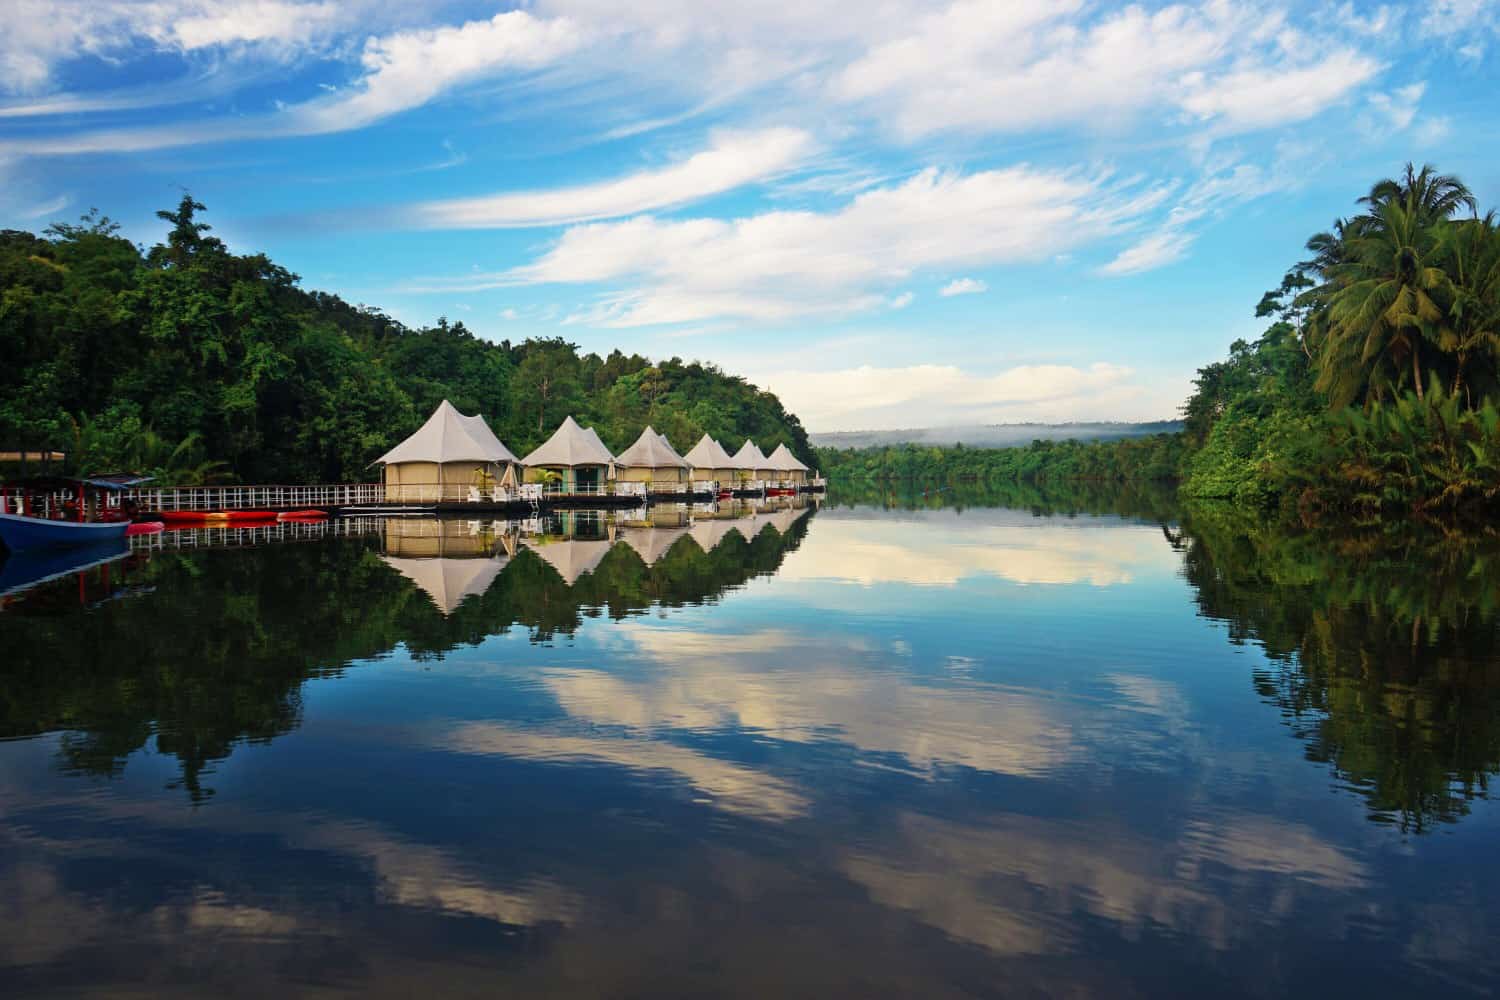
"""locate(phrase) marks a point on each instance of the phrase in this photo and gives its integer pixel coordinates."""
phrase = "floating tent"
(711, 462)
(786, 466)
(577, 454)
(750, 459)
(446, 454)
(652, 459)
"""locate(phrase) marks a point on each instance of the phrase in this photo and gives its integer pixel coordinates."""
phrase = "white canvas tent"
(751, 460)
(710, 461)
(449, 581)
(786, 466)
(577, 453)
(652, 459)
(445, 456)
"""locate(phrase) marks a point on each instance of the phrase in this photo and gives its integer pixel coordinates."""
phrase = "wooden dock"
(374, 498)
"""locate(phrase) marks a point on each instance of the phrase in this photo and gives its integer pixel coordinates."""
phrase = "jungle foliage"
(200, 364)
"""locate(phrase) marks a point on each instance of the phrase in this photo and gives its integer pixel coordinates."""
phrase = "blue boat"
(22, 533)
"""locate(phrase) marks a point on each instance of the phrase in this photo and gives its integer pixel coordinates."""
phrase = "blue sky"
(892, 213)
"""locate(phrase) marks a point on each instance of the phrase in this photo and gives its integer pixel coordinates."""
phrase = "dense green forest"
(199, 364)
(1374, 389)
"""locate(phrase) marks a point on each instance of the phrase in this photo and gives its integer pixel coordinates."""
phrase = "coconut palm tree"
(1384, 305)
(1471, 259)
(1427, 194)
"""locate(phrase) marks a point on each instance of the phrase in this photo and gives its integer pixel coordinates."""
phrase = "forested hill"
(198, 363)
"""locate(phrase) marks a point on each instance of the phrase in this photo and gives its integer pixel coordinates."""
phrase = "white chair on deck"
(474, 496)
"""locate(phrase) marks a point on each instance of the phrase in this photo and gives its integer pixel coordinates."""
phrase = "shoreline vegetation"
(1373, 391)
(197, 365)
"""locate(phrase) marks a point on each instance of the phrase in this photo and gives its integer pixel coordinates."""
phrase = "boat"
(55, 511)
(19, 532)
(145, 528)
(216, 518)
(302, 515)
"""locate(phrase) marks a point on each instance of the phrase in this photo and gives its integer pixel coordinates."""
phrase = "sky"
(891, 213)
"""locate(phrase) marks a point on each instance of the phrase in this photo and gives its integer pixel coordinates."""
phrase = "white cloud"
(1450, 18)
(1278, 93)
(401, 71)
(963, 286)
(1399, 107)
(779, 265)
(871, 398)
(37, 35)
(1163, 247)
(407, 69)
(731, 160)
(1029, 64)
(902, 301)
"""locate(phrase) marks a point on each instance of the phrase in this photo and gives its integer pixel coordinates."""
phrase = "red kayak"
(302, 515)
(216, 517)
(145, 528)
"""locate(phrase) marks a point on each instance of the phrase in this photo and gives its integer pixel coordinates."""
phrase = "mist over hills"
(992, 435)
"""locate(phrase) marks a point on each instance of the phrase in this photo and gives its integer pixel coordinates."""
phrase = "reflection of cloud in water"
(941, 550)
(803, 688)
(1015, 884)
(42, 918)
(733, 787)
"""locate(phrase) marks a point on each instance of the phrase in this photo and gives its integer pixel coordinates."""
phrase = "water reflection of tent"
(783, 520)
(448, 580)
(709, 532)
(457, 537)
(652, 543)
(572, 557)
(449, 559)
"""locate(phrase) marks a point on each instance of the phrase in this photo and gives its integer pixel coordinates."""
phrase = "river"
(943, 746)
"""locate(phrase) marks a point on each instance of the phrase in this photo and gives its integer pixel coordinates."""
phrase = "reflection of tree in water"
(1144, 500)
(1384, 646)
(1384, 652)
(214, 650)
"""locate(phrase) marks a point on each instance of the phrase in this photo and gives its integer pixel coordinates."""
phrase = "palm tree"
(1431, 196)
(1383, 304)
(1471, 259)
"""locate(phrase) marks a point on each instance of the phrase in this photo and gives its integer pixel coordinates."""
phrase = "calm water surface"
(852, 751)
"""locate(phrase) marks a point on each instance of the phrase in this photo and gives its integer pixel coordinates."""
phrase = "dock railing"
(171, 498)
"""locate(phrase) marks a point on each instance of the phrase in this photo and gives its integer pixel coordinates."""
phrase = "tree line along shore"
(1373, 391)
(198, 365)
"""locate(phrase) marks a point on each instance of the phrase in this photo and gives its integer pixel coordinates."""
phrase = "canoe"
(216, 517)
(302, 515)
(20, 533)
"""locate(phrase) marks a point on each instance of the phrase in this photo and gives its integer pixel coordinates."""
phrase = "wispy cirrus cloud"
(400, 71)
(867, 397)
(963, 286)
(731, 160)
(783, 264)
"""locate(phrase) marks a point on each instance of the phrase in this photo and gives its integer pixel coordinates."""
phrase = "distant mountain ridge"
(992, 435)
